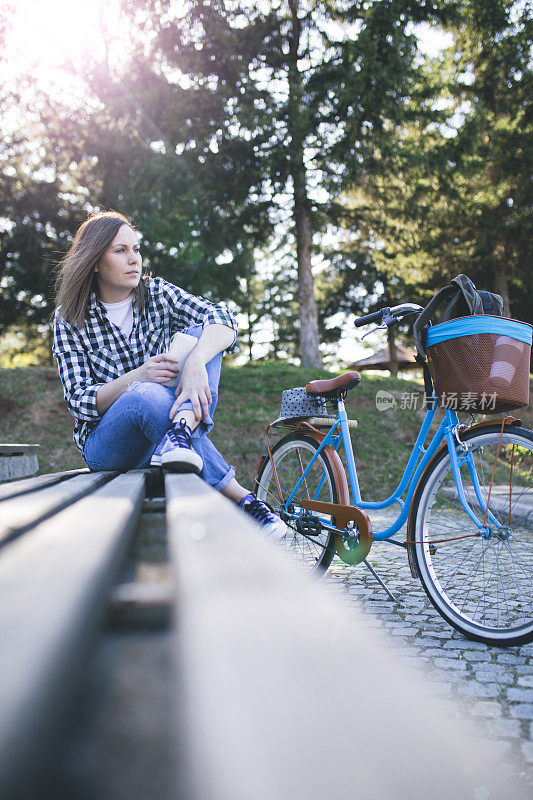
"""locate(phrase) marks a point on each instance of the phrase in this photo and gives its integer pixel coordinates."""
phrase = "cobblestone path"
(489, 688)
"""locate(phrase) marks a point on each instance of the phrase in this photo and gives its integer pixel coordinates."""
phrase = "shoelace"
(179, 436)
(258, 510)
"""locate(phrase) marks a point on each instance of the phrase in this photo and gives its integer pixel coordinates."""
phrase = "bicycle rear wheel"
(291, 456)
(482, 585)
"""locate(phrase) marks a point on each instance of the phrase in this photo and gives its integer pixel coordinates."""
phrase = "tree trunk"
(309, 340)
(250, 336)
(393, 357)
(501, 286)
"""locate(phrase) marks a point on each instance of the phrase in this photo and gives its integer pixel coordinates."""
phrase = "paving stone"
(510, 658)
(475, 689)
(509, 728)
(403, 632)
(432, 652)
(475, 655)
(521, 710)
(527, 750)
(427, 642)
(493, 667)
(487, 708)
(465, 644)
(493, 672)
(451, 663)
(520, 695)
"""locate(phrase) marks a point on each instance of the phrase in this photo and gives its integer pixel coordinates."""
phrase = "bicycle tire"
(482, 586)
(315, 553)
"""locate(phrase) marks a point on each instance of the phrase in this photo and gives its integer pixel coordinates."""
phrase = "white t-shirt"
(121, 314)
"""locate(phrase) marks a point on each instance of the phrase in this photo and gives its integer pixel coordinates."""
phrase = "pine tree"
(452, 193)
(297, 92)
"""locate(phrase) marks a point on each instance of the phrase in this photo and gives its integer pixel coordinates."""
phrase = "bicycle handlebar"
(389, 315)
(375, 317)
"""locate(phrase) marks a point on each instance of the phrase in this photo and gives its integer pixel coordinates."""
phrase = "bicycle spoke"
(292, 460)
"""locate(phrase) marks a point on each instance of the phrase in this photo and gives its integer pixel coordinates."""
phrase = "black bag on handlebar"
(477, 361)
(463, 300)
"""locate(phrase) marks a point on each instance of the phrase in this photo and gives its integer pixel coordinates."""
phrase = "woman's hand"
(193, 385)
(158, 369)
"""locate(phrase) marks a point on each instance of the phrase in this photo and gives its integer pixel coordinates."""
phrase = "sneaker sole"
(190, 469)
(190, 463)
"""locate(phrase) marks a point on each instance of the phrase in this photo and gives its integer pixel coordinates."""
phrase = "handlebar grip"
(368, 318)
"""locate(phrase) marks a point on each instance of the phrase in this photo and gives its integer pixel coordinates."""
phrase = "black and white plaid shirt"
(87, 358)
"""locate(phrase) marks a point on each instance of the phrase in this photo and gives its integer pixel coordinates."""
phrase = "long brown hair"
(76, 278)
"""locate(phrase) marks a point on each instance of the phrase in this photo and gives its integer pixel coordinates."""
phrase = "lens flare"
(49, 39)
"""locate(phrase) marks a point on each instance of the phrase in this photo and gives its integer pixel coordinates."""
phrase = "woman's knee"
(148, 393)
(149, 399)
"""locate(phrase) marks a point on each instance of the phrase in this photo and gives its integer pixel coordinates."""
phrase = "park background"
(302, 161)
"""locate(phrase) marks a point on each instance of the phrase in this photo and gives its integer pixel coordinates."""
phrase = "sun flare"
(48, 38)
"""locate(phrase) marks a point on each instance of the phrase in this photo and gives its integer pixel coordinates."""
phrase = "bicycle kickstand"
(381, 583)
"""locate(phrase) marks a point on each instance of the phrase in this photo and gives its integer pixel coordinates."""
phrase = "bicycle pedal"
(311, 526)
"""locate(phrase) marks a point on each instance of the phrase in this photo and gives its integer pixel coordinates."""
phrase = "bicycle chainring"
(353, 545)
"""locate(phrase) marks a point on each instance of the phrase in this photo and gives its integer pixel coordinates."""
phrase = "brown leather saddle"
(334, 387)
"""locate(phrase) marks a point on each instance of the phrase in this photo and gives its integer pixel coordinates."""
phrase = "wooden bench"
(278, 692)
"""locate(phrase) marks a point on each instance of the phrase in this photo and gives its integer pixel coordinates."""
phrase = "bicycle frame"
(417, 463)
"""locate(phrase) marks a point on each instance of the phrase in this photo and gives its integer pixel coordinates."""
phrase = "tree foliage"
(282, 156)
(452, 192)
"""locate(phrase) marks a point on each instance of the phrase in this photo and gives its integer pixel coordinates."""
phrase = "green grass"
(32, 410)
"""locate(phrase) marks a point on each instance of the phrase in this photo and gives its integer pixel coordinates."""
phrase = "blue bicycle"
(466, 497)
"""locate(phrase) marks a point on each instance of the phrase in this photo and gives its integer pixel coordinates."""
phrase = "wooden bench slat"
(283, 695)
(31, 484)
(18, 514)
(54, 583)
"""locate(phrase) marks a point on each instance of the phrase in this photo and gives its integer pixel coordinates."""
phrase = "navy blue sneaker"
(156, 460)
(271, 523)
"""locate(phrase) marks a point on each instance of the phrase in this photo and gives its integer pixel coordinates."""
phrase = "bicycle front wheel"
(291, 457)
(481, 584)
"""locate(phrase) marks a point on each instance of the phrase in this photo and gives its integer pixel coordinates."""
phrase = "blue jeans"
(130, 430)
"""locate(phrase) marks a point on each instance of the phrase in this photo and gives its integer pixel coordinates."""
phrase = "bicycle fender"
(336, 465)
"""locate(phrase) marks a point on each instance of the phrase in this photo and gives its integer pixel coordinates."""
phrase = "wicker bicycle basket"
(480, 363)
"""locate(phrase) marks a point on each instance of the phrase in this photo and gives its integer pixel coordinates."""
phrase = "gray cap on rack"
(296, 403)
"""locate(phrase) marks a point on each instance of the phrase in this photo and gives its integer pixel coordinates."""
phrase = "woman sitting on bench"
(112, 332)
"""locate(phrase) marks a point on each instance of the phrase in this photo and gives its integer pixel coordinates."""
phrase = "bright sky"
(44, 37)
